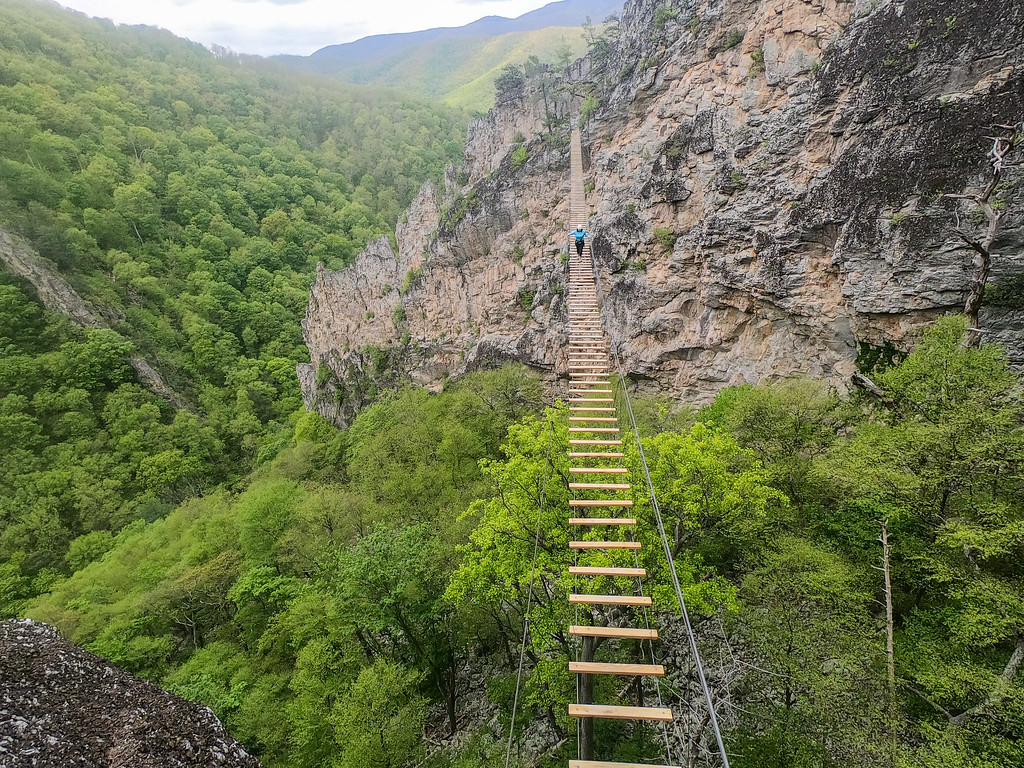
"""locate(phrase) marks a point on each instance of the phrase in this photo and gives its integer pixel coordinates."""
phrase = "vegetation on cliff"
(188, 195)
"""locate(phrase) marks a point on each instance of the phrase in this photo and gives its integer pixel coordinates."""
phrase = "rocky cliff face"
(62, 706)
(771, 183)
(56, 293)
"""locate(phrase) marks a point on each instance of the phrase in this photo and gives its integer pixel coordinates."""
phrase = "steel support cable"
(671, 565)
(529, 596)
(691, 636)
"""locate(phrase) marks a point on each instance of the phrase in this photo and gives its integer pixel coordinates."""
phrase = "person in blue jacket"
(579, 233)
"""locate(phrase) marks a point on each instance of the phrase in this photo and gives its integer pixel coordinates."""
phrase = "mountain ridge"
(556, 14)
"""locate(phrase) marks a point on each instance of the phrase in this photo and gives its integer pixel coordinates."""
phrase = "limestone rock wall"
(770, 182)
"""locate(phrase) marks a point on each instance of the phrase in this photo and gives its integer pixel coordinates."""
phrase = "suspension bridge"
(608, 598)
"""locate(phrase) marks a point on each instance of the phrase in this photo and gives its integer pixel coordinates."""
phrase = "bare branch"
(927, 700)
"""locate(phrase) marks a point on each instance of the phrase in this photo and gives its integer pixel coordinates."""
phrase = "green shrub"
(1008, 292)
(667, 237)
(757, 57)
(734, 38)
(398, 316)
(526, 297)
(411, 278)
(519, 156)
(589, 106)
(664, 15)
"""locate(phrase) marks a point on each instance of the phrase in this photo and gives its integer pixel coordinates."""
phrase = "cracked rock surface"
(63, 707)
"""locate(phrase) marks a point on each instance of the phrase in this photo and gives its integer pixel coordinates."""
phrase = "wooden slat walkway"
(593, 416)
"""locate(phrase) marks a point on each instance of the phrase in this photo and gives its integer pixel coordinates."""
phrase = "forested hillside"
(188, 197)
(363, 594)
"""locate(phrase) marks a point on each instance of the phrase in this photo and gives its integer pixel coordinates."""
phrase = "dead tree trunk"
(890, 659)
(981, 244)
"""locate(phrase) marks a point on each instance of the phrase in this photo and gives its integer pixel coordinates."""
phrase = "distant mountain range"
(459, 64)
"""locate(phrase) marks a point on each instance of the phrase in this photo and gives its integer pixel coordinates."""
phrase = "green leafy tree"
(379, 720)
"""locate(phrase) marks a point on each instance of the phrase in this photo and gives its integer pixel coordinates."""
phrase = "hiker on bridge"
(579, 233)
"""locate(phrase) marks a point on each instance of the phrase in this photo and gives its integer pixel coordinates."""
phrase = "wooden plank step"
(602, 521)
(595, 442)
(593, 429)
(575, 409)
(602, 419)
(604, 668)
(595, 455)
(606, 570)
(600, 502)
(621, 713)
(592, 399)
(604, 545)
(575, 599)
(621, 633)
(609, 764)
(598, 470)
(599, 486)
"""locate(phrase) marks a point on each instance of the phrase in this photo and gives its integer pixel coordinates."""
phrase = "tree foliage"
(189, 197)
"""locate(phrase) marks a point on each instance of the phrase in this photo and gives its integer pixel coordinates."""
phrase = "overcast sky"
(295, 26)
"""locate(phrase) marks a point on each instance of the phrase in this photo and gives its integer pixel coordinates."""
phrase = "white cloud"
(295, 26)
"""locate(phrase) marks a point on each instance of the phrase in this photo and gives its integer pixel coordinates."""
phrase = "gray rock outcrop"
(770, 198)
(56, 294)
(61, 707)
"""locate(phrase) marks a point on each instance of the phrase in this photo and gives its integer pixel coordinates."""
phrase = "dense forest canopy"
(188, 195)
(368, 587)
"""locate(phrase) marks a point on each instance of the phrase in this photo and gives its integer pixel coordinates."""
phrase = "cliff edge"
(62, 706)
